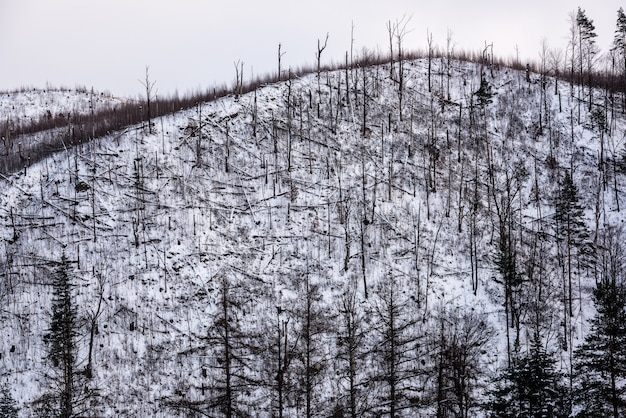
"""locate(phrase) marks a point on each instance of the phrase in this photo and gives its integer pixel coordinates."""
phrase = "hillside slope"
(311, 248)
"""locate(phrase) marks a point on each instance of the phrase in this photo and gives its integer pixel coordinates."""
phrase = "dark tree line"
(50, 133)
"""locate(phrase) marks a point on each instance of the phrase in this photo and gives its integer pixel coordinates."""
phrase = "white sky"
(191, 44)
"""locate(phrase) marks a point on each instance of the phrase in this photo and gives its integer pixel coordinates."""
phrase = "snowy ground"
(267, 189)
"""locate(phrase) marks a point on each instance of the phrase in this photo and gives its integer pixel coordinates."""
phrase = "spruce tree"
(600, 362)
(619, 48)
(484, 93)
(587, 48)
(619, 41)
(531, 387)
(61, 340)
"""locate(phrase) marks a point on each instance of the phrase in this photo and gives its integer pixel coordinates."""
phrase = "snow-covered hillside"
(312, 248)
(32, 121)
(27, 105)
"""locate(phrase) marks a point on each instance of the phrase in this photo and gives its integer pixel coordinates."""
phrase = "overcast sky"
(191, 44)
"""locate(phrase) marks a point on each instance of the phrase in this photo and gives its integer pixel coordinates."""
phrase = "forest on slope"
(427, 237)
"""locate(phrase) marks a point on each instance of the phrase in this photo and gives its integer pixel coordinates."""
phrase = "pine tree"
(600, 363)
(619, 47)
(586, 27)
(531, 387)
(7, 403)
(587, 47)
(619, 41)
(61, 339)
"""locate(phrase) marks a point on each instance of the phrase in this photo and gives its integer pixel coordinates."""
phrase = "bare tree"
(150, 95)
(544, 50)
(93, 316)
(318, 57)
(457, 348)
(429, 41)
(449, 53)
(556, 59)
(398, 339)
(238, 78)
(280, 56)
(351, 357)
(391, 31)
(315, 327)
(402, 30)
(572, 48)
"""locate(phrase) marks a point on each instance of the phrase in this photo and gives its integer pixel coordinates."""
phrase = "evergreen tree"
(484, 93)
(7, 403)
(587, 47)
(586, 28)
(600, 362)
(619, 41)
(619, 47)
(531, 387)
(61, 340)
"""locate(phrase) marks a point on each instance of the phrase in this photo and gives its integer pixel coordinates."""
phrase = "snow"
(155, 230)
(31, 104)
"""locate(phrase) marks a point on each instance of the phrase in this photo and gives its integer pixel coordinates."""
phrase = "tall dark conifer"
(619, 48)
(484, 93)
(600, 363)
(61, 340)
(587, 48)
(531, 387)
